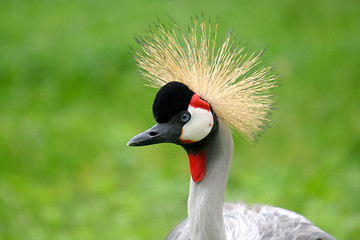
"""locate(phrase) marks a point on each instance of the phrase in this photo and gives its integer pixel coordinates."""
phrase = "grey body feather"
(259, 223)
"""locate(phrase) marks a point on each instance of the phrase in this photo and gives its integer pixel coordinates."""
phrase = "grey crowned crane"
(206, 88)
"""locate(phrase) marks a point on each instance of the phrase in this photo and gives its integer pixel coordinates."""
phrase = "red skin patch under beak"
(197, 165)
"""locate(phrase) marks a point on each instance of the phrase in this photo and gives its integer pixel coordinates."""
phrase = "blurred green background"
(71, 97)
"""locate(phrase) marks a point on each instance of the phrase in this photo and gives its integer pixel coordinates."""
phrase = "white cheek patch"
(199, 126)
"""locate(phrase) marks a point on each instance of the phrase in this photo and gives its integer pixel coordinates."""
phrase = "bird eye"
(185, 117)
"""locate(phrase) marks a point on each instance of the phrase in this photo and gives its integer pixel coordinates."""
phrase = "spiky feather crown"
(222, 75)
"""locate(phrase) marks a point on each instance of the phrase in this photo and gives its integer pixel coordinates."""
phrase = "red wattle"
(197, 165)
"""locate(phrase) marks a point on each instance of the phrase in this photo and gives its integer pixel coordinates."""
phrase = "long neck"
(206, 198)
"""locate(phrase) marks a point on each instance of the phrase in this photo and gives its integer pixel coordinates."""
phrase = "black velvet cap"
(171, 99)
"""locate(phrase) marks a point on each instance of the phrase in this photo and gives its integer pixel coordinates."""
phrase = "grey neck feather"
(206, 198)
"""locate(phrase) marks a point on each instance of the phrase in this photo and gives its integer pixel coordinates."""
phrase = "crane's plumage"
(205, 88)
(222, 75)
(258, 222)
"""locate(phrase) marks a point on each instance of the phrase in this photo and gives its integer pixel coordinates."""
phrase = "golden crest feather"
(222, 75)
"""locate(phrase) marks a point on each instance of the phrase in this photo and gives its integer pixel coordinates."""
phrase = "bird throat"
(197, 162)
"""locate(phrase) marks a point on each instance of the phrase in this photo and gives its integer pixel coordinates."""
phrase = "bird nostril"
(153, 134)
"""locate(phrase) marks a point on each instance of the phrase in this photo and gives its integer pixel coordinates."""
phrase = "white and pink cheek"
(201, 122)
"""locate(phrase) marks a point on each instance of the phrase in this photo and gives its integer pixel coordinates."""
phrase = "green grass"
(70, 99)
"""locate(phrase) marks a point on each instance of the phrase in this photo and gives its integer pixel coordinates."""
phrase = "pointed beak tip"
(131, 143)
(159, 133)
(141, 139)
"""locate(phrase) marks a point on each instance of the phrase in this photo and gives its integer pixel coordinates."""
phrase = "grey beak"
(159, 133)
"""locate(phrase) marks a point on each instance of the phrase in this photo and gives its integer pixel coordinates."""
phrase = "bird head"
(202, 84)
(182, 117)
